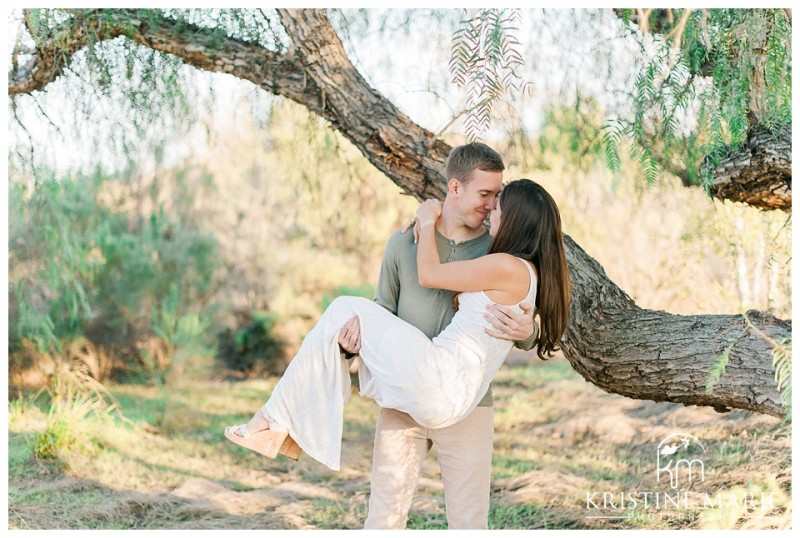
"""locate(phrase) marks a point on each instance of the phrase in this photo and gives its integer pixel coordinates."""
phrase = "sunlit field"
(561, 444)
(189, 189)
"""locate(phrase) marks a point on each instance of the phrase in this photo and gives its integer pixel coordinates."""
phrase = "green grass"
(63, 505)
(731, 453)
(329, 514)
(127, 478)
(523, 516)
(506, 467)
(426, 521)
(135, 405)
(501, 516)
(537, 376)
(19, 452)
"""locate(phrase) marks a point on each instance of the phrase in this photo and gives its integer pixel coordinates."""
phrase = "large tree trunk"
(613, 343)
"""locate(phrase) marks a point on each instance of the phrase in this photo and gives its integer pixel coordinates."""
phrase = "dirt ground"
(567, 455)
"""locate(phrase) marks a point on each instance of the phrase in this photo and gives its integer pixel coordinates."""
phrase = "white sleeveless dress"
(438, 382)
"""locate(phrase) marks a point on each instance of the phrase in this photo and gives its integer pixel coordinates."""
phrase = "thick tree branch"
(655, 355)
(399, 146)
(393, 143)
(758, 173)
(49, 58)
(613, 343)
(199, 47)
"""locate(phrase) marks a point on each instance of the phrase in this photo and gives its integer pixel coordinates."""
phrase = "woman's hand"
(428, 212)
(411, 223)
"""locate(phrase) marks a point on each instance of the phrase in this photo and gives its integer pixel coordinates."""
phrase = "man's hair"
(463, 160)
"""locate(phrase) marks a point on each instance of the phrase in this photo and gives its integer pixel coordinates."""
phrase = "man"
(474, 181)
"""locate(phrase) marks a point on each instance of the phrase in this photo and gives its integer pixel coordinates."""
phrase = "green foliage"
(77, 405)
(572, 134)
(178, 331)
(613, 131)
(485, 60)
(254, 348)
(79, 267)
(17, 407)
(715, 75)
(782, 364)
(142, 95)
(720, 363)
(50, 262)
(364, 290)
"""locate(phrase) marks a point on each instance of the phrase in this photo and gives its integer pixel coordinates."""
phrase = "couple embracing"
(452, 300)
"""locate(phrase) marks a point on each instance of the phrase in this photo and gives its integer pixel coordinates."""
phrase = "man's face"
(476, 200)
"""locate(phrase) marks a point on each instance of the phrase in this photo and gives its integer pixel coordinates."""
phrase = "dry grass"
(584, 440)
(557, 438)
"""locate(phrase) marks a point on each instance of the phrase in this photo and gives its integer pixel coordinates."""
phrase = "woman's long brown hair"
(530, 228)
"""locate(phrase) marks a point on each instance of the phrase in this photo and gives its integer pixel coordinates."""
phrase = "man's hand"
(350, 336)
(508, 325)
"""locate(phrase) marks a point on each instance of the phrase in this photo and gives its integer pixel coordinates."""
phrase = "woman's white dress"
(438, 382)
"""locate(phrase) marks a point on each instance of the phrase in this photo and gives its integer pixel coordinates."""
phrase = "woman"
(438, 382)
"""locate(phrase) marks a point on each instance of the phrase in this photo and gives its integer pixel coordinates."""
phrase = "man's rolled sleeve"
(530, 342)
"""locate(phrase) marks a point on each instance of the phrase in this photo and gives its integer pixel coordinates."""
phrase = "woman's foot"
(266, 442)
(256, 435)
(258, 422)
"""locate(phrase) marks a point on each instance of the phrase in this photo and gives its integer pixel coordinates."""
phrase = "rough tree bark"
(613, 343)
(759, 173)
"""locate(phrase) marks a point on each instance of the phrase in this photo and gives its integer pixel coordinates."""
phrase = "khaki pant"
(465, 458)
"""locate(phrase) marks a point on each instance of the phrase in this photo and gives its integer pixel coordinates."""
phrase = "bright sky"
(411, 70)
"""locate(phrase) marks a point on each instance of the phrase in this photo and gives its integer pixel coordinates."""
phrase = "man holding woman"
(430, 392)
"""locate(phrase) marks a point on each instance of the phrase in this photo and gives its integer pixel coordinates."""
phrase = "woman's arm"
(491, 272)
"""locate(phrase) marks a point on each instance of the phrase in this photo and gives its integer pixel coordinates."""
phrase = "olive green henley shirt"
(430, 310)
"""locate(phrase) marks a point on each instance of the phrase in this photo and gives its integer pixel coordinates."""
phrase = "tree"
(739, 61)
(612, 342)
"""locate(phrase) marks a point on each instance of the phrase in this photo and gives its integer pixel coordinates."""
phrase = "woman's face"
(494, 219)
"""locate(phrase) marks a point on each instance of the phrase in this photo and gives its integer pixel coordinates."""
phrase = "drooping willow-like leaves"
(485, 61)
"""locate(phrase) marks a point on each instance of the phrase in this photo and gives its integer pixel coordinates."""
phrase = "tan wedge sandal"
(266, 442)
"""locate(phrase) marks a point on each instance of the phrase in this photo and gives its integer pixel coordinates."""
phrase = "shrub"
(77, 405)
(364, 290)
(89, 277)
(253, 348)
